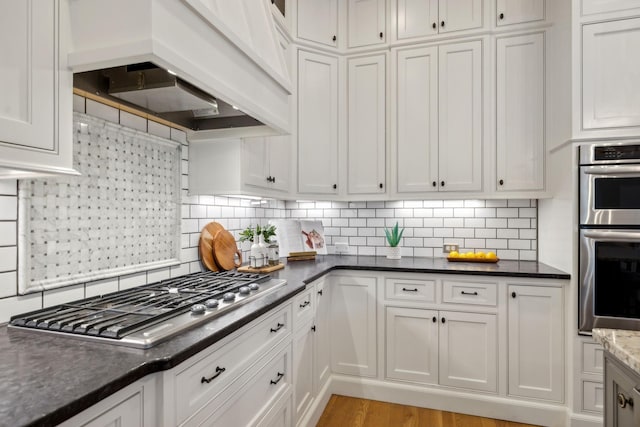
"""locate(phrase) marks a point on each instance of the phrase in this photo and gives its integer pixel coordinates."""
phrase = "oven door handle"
(617, 235)
(611, 170)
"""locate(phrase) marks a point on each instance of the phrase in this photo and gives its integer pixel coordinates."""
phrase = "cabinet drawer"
(592, 358)
(200, 381)
(247, 405)
(592, 396)
(410, 290)
(303, 305)
(473, 293)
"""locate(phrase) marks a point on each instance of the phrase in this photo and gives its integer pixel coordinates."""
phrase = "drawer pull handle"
(313, 328)
(434, 319)
(304, 304)
(276, 329)
(410, 290)
(623, 401)
(280, 375)
(219, 371)
(320, 292)
(475, 293)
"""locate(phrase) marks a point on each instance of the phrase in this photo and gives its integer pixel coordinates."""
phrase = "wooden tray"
(205, 246)
(482, 260)
(225, 251)
(267, 269)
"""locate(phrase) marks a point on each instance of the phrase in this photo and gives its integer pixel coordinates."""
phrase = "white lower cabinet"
(469, 350)
(415, 329)
(311, 347)
(450, 348)
(353, 325)
(535, 336)
(133, 406)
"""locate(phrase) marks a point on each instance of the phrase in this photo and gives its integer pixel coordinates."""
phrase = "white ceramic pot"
(394, 252)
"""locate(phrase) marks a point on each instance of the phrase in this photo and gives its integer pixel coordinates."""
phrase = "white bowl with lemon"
(472, 256)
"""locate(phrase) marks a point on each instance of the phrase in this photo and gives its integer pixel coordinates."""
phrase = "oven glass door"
(610, 195)
(610, 279)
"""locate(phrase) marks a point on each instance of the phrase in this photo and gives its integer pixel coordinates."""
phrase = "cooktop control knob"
(244, 290)
(254, 286)
(211, 303)
(229, 296)
(198, 309)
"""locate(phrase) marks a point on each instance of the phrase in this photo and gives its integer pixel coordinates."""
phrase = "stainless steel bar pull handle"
(469, 293)
(219, 371)
(410, 290)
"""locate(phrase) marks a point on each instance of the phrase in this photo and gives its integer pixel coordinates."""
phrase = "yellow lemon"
(480, 255)
(491, 255)
(454, 254)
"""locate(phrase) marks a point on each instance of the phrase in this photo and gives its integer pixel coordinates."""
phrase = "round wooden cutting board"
(225, 251)
(205, 247)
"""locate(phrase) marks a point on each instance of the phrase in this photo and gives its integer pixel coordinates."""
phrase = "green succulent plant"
(250, 233)
(394, 235)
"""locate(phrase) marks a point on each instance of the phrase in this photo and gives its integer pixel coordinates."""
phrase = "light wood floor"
(342, 411)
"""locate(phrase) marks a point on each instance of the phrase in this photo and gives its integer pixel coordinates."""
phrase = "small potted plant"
(393, 238)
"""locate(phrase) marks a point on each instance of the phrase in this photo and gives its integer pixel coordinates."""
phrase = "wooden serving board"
(205, 246)
(225, 251)
(267, 269)
(481, 260)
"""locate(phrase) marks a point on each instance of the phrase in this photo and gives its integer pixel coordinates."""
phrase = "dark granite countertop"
(46, 379)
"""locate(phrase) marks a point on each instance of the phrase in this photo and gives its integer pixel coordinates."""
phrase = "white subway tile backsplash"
(8, 187)
(100, 287)
(474, 222)
(528, 233)
(19, 304)
(8, 258)
(527, 212)
(507, 213)
(62, 295)
(485, 212)
(157, 129)
(486, 233)
(413, 222)
(423, 212)
(8, 284)
(133, 121)
(453, 222)
(464, 232)
(79, 104)
(433, 203)
(8, 208)
(507, 233)
(475, 244)
(443, 232)
(496, 203)
(8, 233)
(519, 244)
(178, 136)
(413, 204)
(133, 280)
(443, 212)
(102, 111)
(519, 223)
(453, 203)
(516, 203)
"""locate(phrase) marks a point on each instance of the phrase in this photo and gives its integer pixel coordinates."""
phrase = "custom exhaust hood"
(206, 66)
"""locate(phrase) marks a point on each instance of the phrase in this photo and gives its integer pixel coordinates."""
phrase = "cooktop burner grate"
(119, 314)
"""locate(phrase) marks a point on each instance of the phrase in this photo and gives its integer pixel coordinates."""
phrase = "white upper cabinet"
(266, 162)
(610, 76)
(438, 118)
(520, 112)
(416, 119)
(509, 12)
(366, 22)
(36, 88)
(366, 123)
(460, 116)
(318, 21)
(421, 18)
(317, 123)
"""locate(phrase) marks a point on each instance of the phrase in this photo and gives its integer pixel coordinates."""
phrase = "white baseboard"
(582, 420)
(483, 405)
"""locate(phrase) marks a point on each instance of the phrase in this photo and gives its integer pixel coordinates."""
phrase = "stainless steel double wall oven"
(609, 236)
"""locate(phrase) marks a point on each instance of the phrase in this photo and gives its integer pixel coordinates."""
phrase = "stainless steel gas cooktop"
(141, 317)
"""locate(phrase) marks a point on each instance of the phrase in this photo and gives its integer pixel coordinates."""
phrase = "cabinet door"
(322, 362)
(366, 22)
(416, 120)
(36, 89)
(367, 131)
(457, 15)
(460, 116)
(416, 18)
(318, 21)
(279, 161)
(536, 351)
(610, 92)
(353, 325)
(518, 11)
(592, 7)
(317, 123)
(469, 350)
(520, 112)
(621, 395)
(303, 351)
(255, 162)
(412, 344)
(126, 414)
